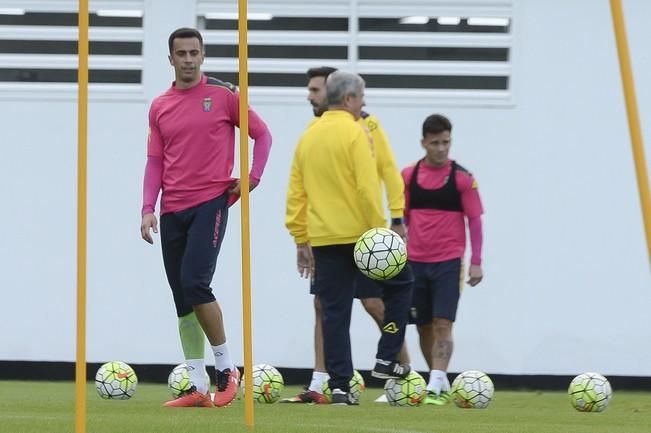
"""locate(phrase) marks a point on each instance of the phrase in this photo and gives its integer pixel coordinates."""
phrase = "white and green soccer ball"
(357, 386)
(179, 382)
(380, 253)
(409, 391)
(268, 383)
(116, 380)
(472, 389)
(590, 392)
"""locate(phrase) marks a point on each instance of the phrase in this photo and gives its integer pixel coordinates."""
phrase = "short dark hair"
(435, 124)
(184, 33)
(321, 71)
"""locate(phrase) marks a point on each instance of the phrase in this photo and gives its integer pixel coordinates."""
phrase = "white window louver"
(38, 46)
(415, 51)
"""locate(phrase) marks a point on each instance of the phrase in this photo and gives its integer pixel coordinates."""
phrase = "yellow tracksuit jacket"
(387, 168)
(334, 193)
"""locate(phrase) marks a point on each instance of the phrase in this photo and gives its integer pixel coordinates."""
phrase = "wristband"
(396, 221)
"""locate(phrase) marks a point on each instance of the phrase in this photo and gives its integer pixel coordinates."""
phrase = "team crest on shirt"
(207, 104)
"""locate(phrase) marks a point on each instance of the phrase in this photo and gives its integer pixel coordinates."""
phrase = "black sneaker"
(341, 398)
(390, 370)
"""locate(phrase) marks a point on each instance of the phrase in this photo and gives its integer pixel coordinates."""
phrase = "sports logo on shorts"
(207, 104)
(391, 328)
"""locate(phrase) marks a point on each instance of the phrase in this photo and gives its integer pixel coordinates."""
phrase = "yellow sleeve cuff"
(301, 239)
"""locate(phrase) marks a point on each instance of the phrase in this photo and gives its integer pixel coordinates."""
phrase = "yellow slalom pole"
(246, 241)
(633, 117)
(82, 156)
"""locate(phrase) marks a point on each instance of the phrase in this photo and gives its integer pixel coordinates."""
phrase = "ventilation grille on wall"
(39, 45)
(411, 50)
(285, 39)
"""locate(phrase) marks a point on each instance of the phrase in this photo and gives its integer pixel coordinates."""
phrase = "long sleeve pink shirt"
(191, 145)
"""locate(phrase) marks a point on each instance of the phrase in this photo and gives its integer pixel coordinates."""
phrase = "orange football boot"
(191, 398)
(226, 383)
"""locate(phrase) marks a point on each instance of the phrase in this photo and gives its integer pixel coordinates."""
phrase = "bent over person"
(333, 198)
(441, 197)
(190, 156)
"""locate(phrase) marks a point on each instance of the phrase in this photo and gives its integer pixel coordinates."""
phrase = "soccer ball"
(380, 254)
(590, 392)
(179, 380)
(115, 380)
(409, 391)
(472, 389)
(357, 386)
(268, 383)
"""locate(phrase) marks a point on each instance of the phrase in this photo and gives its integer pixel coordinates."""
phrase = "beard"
(319, 110)
(188, 75)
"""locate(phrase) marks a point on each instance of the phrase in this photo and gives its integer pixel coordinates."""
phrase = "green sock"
(193, 339)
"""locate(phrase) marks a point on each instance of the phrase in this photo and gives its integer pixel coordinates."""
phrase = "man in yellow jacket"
(334, 196)
(366, 290)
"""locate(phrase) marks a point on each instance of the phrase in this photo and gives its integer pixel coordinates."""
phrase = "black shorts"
(437, 287)
(367, 288)
(191, 240)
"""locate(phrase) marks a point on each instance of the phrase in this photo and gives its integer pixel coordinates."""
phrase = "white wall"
(567, 285)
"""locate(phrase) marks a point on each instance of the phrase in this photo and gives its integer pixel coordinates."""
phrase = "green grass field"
(46, 407)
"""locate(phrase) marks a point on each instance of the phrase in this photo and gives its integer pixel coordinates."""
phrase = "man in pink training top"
(190, 154)
(440, 197)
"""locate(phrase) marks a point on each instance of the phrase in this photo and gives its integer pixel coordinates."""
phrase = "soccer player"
(441, 197)
(367, 290)
(190, 156)
(334, 196)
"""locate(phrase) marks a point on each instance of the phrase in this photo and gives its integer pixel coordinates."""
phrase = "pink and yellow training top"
(191, 145)
(438, 202)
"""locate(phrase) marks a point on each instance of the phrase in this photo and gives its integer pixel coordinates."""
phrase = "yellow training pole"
(246, 241)
(82, 137)
(633, 118)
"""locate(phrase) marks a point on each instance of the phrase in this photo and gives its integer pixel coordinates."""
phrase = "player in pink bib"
(441, 197)
(190, 156)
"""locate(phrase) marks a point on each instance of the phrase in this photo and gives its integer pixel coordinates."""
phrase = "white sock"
(318, 379)
(222, 357)
(197, 373)
(438, 381)
(446, 384)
